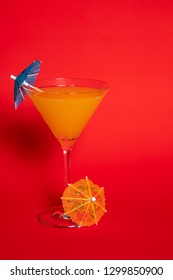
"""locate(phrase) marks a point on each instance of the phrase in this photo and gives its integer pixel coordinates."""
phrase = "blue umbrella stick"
(26, 84)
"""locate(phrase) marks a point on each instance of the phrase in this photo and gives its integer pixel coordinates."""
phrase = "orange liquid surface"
(66, 110)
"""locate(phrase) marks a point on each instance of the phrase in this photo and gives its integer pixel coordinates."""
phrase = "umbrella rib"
(86, 211)
(35, 74)
(98, 192)
(72, 198)
(95, 218)
(88, 185)
(71, 185)
(102, 208)
(74, 209)
(21, 93)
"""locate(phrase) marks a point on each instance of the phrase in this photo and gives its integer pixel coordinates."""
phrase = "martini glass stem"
(67, 155)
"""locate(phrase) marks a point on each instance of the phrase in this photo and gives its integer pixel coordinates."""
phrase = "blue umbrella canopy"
(27, 78)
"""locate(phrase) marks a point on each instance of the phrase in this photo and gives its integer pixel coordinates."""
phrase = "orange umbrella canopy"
(84, 202)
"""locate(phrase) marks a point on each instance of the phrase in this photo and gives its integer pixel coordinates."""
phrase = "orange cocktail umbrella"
(84, 202)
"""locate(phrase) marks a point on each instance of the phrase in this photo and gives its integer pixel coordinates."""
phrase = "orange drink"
(67, 109)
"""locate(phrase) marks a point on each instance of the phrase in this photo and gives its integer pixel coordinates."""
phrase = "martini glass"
(66, 105)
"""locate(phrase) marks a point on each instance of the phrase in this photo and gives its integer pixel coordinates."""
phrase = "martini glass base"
(55, 217)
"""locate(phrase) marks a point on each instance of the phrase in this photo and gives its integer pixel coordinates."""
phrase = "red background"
(127, 147)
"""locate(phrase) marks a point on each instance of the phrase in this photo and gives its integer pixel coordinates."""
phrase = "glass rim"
(67, 81)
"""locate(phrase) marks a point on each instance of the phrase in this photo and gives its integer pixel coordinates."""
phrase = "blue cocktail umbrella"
(26, 78)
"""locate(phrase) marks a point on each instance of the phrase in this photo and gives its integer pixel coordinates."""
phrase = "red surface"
(127, 147)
